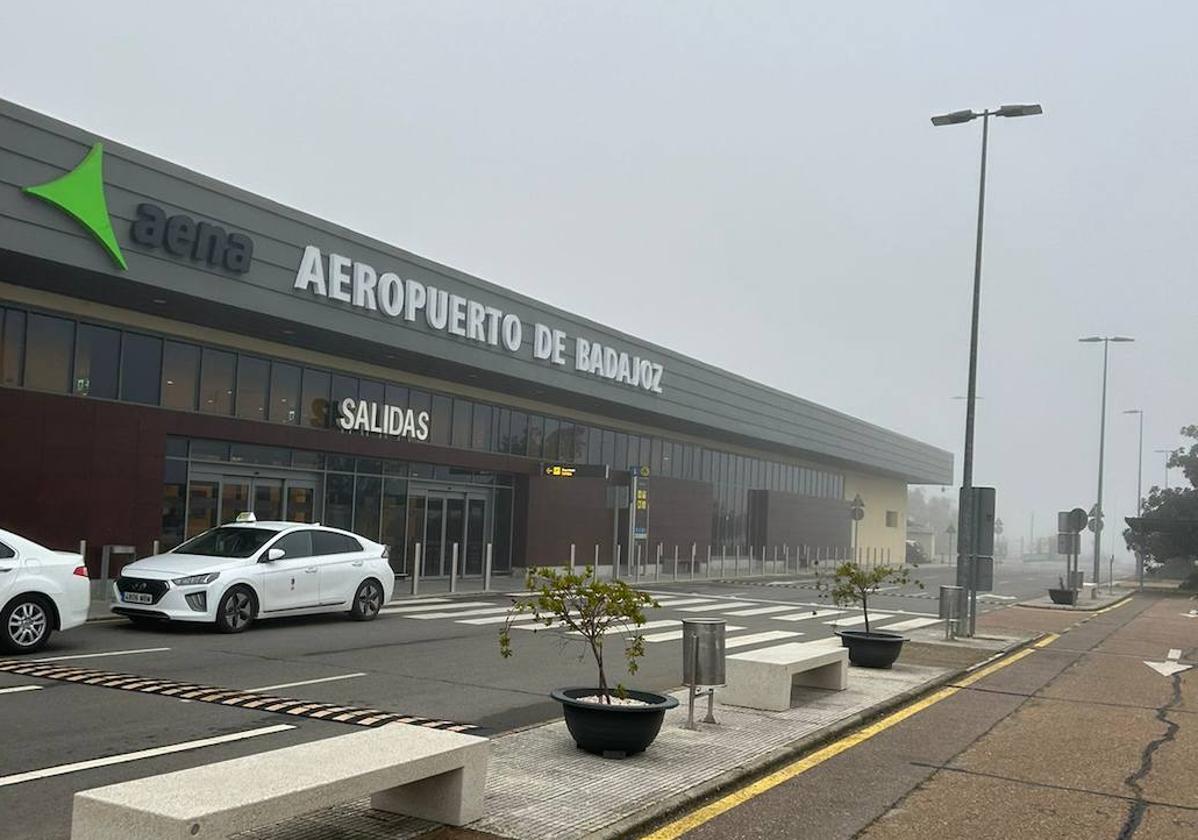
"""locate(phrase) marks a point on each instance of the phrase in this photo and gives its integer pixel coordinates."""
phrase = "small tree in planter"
(851, 584)
(591, 608)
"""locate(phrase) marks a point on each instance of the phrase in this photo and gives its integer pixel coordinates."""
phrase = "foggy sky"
(755, 184)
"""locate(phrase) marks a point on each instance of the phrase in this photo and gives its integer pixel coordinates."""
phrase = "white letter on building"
(513, 333)
(437, 310)
(542, 345)
(582, 352)
(391, 294)
(348, 415)
(311, 272)
(416, 298)
(365, 280)
(339, 277)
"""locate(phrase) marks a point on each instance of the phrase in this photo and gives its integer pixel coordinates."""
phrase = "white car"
(41, 591)
(246, 570)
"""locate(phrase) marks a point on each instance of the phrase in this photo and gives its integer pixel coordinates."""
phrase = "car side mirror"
(274, 554)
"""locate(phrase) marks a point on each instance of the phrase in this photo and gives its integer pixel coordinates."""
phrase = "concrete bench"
(426, 773)
(762, 679)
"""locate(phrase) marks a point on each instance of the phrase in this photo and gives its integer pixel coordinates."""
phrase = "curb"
(657, 813)
(1075, 607)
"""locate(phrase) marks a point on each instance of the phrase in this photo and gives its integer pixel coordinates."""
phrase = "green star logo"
(80, 194)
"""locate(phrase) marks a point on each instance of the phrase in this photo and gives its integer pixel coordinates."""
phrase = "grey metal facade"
(44, 248)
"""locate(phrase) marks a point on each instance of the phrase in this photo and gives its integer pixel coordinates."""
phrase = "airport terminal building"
(174, 351)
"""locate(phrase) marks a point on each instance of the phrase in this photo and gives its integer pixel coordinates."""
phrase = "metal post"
(675, 561)
(615, 575)
(692, 561)
(453, 570)
(775, 570)
(736, 562)
(707, 567)
(723, 558)
(416, 571)
(750, 560)
(154, 551)
(1106, 345)
(571, 558)
(487, 568)
(595, 568)
(1140, 495)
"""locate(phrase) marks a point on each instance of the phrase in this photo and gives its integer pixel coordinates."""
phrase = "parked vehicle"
(41, 590)
(234, 574)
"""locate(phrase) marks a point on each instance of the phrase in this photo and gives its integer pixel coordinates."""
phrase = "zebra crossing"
(799, 619)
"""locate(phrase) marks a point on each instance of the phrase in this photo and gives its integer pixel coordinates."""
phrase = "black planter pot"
(875, 649)
(612, 731)
(1063, 596)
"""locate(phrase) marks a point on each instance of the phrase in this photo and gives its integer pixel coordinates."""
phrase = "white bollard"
(692, 561)
(615, 569)
(595, 568)
(487, 568)
(571, 558)
(453, 570)
(707, 568)
(675, 561)
(416, 571)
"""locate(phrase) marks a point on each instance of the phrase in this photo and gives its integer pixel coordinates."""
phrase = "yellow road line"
(1112, 606)
(1046, 641)
(708, 812)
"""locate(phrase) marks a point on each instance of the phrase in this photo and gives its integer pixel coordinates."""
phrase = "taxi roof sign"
(246, 516)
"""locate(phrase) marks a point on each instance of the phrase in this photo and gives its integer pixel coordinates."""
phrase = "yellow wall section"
(880, 495)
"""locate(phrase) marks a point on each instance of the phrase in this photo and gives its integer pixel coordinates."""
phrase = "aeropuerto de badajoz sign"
(339, 278)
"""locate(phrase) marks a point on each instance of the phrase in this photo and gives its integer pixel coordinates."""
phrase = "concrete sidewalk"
(541, 787)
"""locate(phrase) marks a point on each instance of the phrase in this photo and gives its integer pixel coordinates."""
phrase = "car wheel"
(236, 610)
(367, 601)
(25, 624)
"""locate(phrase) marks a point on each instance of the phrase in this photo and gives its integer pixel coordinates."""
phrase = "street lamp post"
(1106, 344)
(1139, 488)
(1166, 453)
(966, 577)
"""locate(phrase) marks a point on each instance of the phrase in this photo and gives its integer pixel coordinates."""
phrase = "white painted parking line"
(674, 635)
(98, 655)
(857, 619)
(412, 602)
(307, 682)
(803, 616)
(497, 619)
(709, 607)
(912, 624)
(19, 688)
(757, 638)
(63, 769)
(762, 610)
(681, 602)
(464, 605)
(462, 614)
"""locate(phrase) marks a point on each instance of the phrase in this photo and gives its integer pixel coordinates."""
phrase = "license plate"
(138, 598)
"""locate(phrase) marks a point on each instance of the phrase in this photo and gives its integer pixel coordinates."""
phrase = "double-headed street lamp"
(1168, 453)
(1106, 344)
(966, 574)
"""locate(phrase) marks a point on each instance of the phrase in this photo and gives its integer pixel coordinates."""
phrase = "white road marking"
(757, 638)
(762, 610)
(709, 607)
(463, 605)
(307, 682)
(1174, 654)
(912, 624)
(993, 597)
(411, 602)
(682, 602)
(18, 688)
(803, 616)
(674, 635)
(63, 769)
(98, 655)
(1167, 669)
(858, 619)
(463, 614)
(496, 619)
(648, 625)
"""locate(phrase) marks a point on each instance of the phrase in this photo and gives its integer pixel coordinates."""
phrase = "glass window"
(503, 430)
(594, 445)
(419, 401)
(252, 381)
(12, 347)
(216, 381)
(655, 457)
(370, 391)
(536, 435)
(395, 395)
(176, 447)
(49, 346)
(209, 450)
(284, 393)
(180, 375)
(326, 542)
(97, 358)
(141, 369)
(372, 466)
(581, 452)
(341, 463)
(174, 499)
(551, 442)
(667, 458)
(307, 460)
(439, 423)
(344, 387)
(620, 452)
(248, 453)
(339, 501)
(315, 399)
(296, 544)
(367, 502)
(518, 440)
(480, 437)
(461, 423)
(394, 521)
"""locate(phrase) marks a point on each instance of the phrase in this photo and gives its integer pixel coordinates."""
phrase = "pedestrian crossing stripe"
(226, 696)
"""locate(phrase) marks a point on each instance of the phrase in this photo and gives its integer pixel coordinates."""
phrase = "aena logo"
(80, 194)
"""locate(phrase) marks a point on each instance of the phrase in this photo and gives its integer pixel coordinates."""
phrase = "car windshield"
(227, 542)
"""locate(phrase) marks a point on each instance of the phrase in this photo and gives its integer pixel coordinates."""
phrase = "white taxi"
(41, 591)
(236, 573)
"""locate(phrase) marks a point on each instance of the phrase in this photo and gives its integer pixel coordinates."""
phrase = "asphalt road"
(436, 658)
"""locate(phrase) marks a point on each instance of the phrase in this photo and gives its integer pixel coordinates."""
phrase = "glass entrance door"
(450, 520)
(213, 499)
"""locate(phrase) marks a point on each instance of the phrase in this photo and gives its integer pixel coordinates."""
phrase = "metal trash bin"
(702, 663)
(950, 603)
